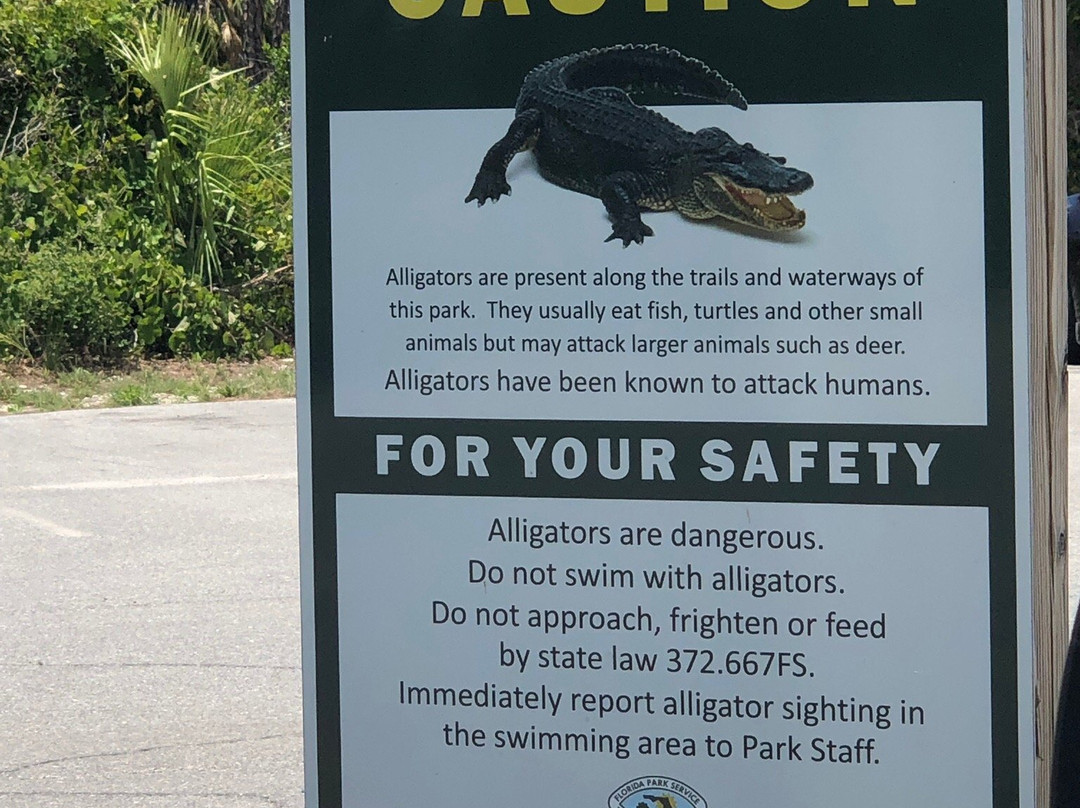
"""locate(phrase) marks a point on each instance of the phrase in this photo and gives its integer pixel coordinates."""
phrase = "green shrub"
(96, 264)
(63, 306)
(72, 158)
(176, 315)
(66, 306)
(61, 47)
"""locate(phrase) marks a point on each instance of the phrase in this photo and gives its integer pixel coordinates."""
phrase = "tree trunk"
(280, 25)
(254, 20)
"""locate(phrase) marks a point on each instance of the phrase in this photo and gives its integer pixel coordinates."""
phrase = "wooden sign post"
(721, 464)
(1047, 391)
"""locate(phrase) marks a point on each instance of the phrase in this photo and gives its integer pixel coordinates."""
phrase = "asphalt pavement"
(149, 606)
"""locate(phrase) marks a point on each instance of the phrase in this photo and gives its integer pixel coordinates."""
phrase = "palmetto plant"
(215, 145)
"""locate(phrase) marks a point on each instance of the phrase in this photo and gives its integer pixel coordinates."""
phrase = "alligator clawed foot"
(631, 231)
(488, 186)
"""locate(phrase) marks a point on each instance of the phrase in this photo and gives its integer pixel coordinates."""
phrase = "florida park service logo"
(655, 792)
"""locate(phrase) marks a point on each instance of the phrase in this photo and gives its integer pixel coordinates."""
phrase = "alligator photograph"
(577, 115)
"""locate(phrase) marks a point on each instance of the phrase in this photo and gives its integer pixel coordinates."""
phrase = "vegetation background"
(144, 157)
(144, 162)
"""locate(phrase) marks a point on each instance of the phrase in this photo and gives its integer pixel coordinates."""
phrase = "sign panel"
(684, 475)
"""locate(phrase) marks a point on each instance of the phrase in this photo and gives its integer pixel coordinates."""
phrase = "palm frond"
(169, 51)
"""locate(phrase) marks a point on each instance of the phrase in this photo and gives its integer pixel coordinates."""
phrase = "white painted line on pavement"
(44, 524)
(163, 482)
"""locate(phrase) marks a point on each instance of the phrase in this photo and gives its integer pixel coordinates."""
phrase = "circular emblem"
(655, 792)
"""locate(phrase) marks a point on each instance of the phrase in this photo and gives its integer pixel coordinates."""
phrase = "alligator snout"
(798, 181)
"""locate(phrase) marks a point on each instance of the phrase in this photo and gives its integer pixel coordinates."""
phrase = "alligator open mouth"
(769, 211)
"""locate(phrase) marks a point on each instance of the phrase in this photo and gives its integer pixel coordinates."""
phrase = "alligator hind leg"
(622, 194)
(490, 180)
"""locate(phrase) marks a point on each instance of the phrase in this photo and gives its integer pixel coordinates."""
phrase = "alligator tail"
(637, 68)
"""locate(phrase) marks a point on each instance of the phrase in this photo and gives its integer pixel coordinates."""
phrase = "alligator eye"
(748, 145)
(780, 160)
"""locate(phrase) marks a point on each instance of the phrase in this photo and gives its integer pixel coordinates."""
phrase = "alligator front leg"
(620, 194)
(490, 180)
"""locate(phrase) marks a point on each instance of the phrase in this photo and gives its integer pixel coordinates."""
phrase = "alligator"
(578, 115)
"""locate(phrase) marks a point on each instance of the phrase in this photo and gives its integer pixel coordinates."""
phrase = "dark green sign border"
(361, 54)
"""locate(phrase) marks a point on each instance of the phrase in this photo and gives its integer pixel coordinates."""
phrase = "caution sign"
(658, 407)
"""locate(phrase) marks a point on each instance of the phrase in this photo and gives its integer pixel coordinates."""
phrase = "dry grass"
(25, 388)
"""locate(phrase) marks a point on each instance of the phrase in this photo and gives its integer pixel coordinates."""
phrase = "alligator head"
(722, 177)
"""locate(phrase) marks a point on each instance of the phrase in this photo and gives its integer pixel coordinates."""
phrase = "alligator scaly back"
(588, 134)
(638, 68)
